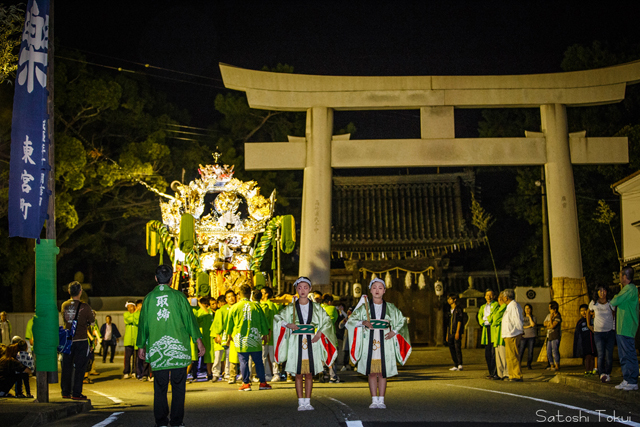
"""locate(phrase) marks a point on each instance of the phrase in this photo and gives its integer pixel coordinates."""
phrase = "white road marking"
(111, 418)
(354, 423)
(587, 411)
(336, 400)
(114, 399)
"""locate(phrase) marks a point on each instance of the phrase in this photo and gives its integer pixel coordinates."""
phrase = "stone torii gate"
(436, 97)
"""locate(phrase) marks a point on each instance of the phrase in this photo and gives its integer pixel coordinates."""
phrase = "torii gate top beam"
(299, 92)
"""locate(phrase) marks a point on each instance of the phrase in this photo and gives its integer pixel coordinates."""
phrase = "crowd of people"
(250, 337)
(508, 330)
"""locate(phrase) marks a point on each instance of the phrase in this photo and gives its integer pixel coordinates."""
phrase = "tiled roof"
(402, 213)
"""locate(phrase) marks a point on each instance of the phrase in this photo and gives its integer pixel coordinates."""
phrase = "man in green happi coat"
(130, 335)
(484, 319)
(270, 309)
(204, 316)
(165, 332)
(496, 338)
(247, 327)
(221, 340)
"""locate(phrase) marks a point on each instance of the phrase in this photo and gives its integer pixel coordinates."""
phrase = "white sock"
(380, 399)
(307, 401)
(301, 401)
(374, 399)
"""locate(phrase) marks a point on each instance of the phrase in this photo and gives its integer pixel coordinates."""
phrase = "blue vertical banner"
(29, 164)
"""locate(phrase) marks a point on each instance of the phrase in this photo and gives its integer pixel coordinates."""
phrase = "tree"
(483, 221)
(109, 135)
(111, 132)
(11, 26)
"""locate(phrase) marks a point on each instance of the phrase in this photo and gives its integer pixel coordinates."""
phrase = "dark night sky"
(338, 38)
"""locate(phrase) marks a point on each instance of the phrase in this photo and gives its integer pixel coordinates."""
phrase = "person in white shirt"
(604, 330)
(512, 330)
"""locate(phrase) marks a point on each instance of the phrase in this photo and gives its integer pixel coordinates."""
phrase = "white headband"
(377, 280)
(300, 280)
(129, 303)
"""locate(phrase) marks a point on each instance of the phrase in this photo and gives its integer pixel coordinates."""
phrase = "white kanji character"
(27, 150)
(36, 34)
(162, 301)
(26, 179)
(163, 313)
(24, 207)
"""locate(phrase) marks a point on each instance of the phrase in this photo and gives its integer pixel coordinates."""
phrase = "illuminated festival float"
(209, 230)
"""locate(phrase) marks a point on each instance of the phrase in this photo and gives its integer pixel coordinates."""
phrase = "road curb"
(596, 387)
(65, 410)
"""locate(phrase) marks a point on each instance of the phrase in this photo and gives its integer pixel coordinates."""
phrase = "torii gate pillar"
(315, 233)
(564, 236)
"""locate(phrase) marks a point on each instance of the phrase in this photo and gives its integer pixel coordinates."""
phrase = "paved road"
(425, 391)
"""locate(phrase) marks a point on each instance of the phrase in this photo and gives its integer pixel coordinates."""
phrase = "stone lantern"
(472, 299)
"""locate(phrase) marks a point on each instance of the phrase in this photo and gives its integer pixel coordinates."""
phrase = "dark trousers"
(75, 361)
(455, 347)
(178, 378)
(23, 378)
(90, 360)
(106, 345)
(245, 369)
(490, 354)
(142, 368)
(527, 343)
(129, 353)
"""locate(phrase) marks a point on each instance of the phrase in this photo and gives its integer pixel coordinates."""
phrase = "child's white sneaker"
(459, 367)
(455, 368)
(381, 404)
(302, 406)
(374, 402)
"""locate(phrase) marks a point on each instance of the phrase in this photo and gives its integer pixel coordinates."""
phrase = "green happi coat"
(494, 305)
(361, 339)
(205, 321)
(130, 328)
(496, 325)
(270, 311)
(246, 325)
(288, 346)
(167, 328)
(218, 325)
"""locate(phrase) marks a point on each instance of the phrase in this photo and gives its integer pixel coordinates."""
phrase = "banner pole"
(46, 307)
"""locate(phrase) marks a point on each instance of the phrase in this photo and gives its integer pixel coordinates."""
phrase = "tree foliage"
(111, 132)
(11, 26)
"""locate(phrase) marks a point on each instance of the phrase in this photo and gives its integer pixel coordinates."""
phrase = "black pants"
(75, 361)
(90, 360)
(129, 353)
(455, 347)
(23, 378)
(106, 345)
(142, 368)
(178, 378)
(490, 354)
